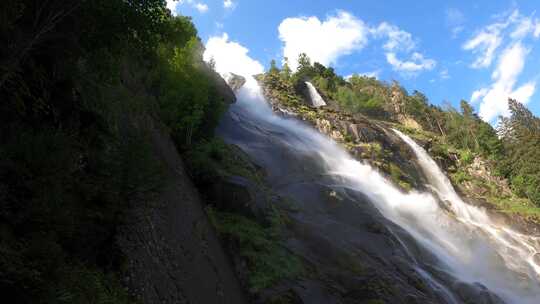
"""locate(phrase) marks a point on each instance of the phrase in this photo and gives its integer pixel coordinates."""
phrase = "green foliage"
(521, 139)
(82, 83)
(399, 177)
(460, 176)
(466, 156)
(273, 67)
(304, 63)
(82, 285)
(285, 73)
(268, 260)
(185, 92)
(210, 160)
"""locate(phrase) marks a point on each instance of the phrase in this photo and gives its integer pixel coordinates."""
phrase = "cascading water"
(467, 246)
(504, 260)
(316, 99)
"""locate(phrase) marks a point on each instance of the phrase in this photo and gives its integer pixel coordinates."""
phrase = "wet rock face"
(172, 253)
(350, 252)
(239, 195)
(345, 244)
(476, 293)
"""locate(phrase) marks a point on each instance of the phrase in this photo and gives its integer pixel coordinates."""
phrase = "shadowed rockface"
(172, 251)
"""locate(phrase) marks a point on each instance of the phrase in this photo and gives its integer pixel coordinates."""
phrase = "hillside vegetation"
(457, 138)
(82, 84)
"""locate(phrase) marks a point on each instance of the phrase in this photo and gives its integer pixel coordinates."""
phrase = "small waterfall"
(316, 99)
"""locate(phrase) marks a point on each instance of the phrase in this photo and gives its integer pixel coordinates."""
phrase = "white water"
(504, 260)
(467, 243)
(316, 99)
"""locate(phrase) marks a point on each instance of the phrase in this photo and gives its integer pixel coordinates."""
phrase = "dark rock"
(235, 81)
(238, 194)
(476, 293)
(172, 253)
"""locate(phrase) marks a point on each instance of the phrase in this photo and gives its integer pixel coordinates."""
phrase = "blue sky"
(482, 51)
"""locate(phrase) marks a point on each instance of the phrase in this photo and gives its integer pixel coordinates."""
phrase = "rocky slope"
(173, 254)
(372, 141)
(339, 248)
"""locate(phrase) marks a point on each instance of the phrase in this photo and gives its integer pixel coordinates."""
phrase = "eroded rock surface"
(173, 254)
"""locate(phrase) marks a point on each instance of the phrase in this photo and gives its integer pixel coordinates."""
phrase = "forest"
(82, 84)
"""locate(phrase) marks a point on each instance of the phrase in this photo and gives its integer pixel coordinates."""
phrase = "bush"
(267, 259)
(78, 108)
(466, 156)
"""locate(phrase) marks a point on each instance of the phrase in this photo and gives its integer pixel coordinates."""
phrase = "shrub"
(267, 259)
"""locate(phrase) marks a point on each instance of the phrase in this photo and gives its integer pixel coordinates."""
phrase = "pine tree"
(285, 70)
(273, 68)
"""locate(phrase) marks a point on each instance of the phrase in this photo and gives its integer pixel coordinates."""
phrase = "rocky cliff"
(371, 140)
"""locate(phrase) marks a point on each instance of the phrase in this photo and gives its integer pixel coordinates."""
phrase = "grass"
(268, 261)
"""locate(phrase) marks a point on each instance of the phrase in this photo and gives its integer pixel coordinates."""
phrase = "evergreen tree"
(285, 70)
(304, 63)
(273, 68)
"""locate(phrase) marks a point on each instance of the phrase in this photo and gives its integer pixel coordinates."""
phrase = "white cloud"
(228, 4)
(455, 19)
(478, 94)
(397, 39)
(341, 34)
(524, 27)
(511, 31)
(201, 7)
(373, 74)
(487, 40)
(485, 43)
(171, 5)
(324, 41)
(444, 74)
(416, 64)
(231, 57)
(509, 67)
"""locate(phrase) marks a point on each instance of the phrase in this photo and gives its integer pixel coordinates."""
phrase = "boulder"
(235, 82)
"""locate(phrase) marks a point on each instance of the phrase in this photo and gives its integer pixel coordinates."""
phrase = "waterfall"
(467, 245)
(316, 99)
(499, 257)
